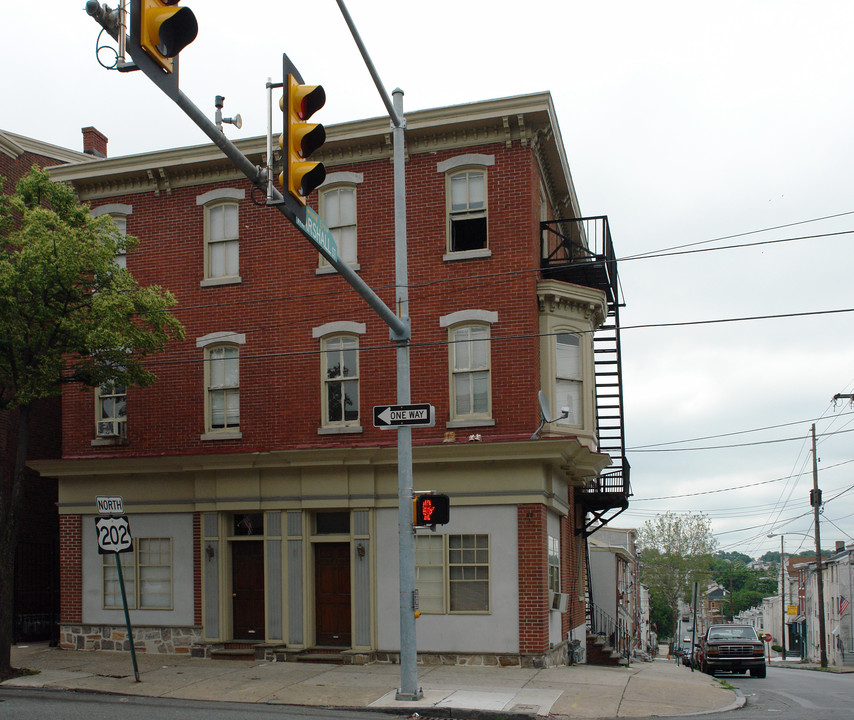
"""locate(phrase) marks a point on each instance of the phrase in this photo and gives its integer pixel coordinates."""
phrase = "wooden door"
(332, 594)
(247, 589)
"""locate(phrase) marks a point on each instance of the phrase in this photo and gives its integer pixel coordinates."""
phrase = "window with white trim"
(222, 258)
(467, 210)
(121, 222)
(147, 574)
(111, 410)
(470, 372)
(554, 564)
(452, 573)
(568, 377)
(340, 380)
(338, 210)
(430, 573)
(222, 370)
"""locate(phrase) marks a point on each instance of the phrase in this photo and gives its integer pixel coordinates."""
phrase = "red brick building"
(36, 597)
(262, 500)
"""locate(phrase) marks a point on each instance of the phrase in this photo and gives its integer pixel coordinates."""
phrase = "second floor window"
(568, 380)
(221, 241)
(340, 380)
(223, 396)
(111, 410)
(338, 210)
(470, 385)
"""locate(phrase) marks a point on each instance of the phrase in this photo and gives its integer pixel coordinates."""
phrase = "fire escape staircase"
(580, 251)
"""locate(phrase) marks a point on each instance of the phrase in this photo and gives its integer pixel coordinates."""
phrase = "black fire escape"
(580, 251)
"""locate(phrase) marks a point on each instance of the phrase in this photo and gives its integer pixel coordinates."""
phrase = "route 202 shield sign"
(113, 535)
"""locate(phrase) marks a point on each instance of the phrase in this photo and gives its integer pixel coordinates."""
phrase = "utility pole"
(815, 501)
(782, 602)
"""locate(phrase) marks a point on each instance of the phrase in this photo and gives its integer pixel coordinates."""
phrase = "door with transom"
(332, 594)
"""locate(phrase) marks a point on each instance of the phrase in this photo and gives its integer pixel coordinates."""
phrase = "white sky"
(683, 122)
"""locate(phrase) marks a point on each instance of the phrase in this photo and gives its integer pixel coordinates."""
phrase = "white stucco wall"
(497, 632)
(179, 527)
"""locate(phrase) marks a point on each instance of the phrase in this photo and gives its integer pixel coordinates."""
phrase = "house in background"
(35, 608)
(262, 500)
(615, 593)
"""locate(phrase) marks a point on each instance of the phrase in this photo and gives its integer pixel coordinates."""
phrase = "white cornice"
(14, 145)
(527, 119)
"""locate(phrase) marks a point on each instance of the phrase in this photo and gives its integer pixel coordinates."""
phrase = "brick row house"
(35, 608)
(262, 500)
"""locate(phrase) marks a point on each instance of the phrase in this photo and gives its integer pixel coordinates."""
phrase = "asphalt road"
(39, 704)
(789, 694)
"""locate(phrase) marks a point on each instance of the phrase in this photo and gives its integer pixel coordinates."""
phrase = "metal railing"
(581, 241)
(603, 625)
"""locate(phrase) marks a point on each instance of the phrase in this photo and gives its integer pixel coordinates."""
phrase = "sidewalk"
(581, 691)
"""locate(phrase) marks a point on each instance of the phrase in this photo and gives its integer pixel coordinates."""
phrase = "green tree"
(674, 551)
(68, 314)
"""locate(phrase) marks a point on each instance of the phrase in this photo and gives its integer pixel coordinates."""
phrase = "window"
(147, 574)
(111, 410)
(467, 210)
(221, 236)
(554, 564)
(470, 384)
(452, 573)
(468, 573)
(340, 380)
(338, 210)
(118, 212)
(430, 572)
(223, 396)
(568, 380)
(121, 222)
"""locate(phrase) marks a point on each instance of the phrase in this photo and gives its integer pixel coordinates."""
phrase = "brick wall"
(70, 569)
(281, 298)
(533, 579)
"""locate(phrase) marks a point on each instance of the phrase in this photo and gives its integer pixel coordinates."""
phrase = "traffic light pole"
(409, 689)
(399, 325)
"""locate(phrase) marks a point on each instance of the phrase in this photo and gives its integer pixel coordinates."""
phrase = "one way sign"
(392, 416)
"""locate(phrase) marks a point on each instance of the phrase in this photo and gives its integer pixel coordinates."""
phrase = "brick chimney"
(94, 142)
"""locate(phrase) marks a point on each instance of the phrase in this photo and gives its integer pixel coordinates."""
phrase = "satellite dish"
(544, 405)
(545, 414)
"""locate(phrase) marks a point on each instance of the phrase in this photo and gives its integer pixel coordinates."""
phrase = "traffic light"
(165, 29)
(431, 509)
(300, 139)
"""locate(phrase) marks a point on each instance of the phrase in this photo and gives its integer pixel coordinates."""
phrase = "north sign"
(392, 416)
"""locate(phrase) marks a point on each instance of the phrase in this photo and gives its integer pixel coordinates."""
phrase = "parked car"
(731, 648)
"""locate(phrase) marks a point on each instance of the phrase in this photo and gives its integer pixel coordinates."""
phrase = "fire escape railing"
(580, 251)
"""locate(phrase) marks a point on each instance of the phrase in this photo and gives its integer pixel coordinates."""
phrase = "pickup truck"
(731, 648)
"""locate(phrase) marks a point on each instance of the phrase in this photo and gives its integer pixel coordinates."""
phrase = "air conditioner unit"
(560, 602)
(107, 428)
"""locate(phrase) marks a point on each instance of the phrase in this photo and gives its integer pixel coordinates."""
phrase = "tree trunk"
(11, 493)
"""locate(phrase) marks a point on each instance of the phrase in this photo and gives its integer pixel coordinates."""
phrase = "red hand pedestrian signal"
(430, 509)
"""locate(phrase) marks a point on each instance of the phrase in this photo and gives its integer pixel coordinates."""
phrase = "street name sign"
(110, 505)
(388, 417)
(318, 233)
(113, 535)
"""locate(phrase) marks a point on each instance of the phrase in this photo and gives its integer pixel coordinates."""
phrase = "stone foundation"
(554, 657)
(172, 641)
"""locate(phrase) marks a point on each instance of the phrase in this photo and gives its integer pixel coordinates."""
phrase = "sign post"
(114, 538)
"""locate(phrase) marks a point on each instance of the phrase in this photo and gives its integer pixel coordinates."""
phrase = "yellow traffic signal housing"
(300, 139)
(431, 509)
(165, 29)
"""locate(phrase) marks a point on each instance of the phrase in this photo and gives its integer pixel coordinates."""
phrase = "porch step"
(322, 656)
(234, 653)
